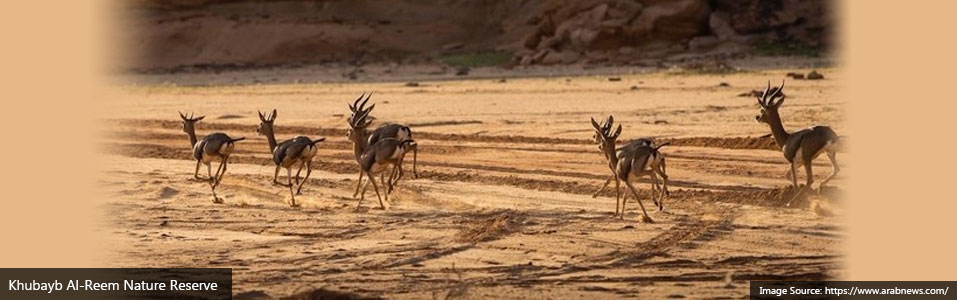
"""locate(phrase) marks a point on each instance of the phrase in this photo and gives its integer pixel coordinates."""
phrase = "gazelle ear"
(617, 131)
(274, 113)
(182, 116)
(261, 117)
(595, 124)
(200, 118)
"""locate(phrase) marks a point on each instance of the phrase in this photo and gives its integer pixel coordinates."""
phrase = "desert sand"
(502, 207)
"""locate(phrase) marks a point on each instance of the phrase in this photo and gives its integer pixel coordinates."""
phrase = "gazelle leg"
(209, 173)
(664, 177)
(215, 198)
(225, 165)
(363, 195)
(196, 174)
(654, 189)
(308, 171)
(835, 169)
(415, 158)
(794, 181)
(218, 175)
(275, 178)
(299, 172)
(382, 178)
(399, 173)
(358, 184)
(291, 192)
(663, 191)
(376, 187)
(645, 217)
(603, 186)
(393, 178)
(212, 180)
(810, 180)
(618, 200)
(365, 187)
(623, 199)
(384, 184)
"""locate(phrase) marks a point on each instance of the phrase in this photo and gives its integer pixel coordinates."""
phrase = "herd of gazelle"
(383, 150)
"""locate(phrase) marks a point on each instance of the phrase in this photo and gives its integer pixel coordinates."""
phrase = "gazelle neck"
(191, 131)
(777, 129)
(360, 145)
(271, 138)
(610, 152)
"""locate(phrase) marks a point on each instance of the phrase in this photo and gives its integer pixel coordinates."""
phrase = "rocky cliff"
(172, 34)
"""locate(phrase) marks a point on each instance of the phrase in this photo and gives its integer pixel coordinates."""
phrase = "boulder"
(563, 57)
(720, 27)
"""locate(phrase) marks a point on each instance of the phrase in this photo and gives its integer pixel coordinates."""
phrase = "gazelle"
(372, 158)
(799, 147)
(216, 146)
(633, 161)
(607, 145)
(290, 153)
(397, 131)
(361, 138)
(377, 159)
(401, 133)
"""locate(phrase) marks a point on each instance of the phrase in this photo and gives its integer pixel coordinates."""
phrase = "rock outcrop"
(172, 34)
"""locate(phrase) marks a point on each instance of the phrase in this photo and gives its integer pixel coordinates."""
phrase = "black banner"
(142, 283)
(852, 289)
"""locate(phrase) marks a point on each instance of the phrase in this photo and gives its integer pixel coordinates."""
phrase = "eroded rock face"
(170, 34)
(805, 22)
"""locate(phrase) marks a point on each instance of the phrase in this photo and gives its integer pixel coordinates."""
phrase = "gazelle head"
(189, 123)
(266, 121)
(769, 107)
(359, 120)
(604, 136)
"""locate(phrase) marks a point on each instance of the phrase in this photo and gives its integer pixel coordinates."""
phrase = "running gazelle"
(216, 146)
(800, 147)
(295, 152)
(375, 159)
(631, 161)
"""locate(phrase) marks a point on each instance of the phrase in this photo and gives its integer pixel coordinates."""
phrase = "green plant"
(786, 49)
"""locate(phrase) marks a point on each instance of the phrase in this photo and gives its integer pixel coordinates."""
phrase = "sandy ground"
(502, 207)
